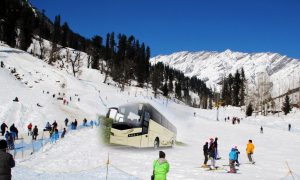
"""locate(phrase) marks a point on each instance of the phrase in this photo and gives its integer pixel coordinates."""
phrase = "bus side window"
(147, 116)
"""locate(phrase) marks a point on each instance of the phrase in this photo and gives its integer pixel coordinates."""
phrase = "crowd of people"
(210, 151)
(10, 134)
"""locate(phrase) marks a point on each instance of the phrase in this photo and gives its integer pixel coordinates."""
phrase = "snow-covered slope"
(283, 72)
(79, 156)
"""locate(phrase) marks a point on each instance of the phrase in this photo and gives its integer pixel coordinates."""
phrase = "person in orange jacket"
(250, 151)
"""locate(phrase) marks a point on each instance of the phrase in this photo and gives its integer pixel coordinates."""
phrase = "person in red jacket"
(29, 127)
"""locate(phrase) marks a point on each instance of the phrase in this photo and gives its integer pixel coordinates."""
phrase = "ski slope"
(81, 155)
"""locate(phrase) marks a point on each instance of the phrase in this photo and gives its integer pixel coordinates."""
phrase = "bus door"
(145, 129)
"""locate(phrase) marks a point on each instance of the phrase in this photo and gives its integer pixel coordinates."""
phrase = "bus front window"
(128, 116)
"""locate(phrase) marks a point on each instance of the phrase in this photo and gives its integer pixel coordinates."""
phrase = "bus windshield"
(127, 116)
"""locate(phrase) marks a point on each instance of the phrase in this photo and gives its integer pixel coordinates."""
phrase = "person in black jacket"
(3, 127)
(14, 130)
(205, 153)
(35, 133)
(6, 162)
(216, 148)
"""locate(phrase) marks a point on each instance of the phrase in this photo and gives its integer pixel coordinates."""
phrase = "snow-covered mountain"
(283, 72)
(80, 155)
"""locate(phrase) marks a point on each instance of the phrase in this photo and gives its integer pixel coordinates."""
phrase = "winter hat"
(162, 154)
(3, 144)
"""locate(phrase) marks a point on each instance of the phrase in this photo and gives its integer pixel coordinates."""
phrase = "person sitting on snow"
(47, 127)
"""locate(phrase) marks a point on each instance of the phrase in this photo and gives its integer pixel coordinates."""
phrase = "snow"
(212, 67)
(81, 155)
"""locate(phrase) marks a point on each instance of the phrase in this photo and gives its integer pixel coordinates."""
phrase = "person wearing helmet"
(6, 162)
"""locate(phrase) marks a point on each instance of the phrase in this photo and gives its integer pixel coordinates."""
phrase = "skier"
(3, 128)
(14, 131)
(66, 122)
(63, 133)
(212, 155)
(205, 153)
(261, 129)
(290, 126)
(232, 159)
(194, 114)
(35, 133)
(250, 150)
(29, 127)
(160, 167)
(6, 161)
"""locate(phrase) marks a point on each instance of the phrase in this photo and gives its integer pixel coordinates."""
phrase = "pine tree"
(249, 110)
(243, 87)
(286, 107)
(165, 90)
(236, 88)
(96, 52)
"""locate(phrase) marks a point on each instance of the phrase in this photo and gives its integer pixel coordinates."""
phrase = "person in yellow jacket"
(250, 151)
(160, 167)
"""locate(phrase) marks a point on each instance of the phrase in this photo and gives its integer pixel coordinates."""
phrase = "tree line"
(233, 89)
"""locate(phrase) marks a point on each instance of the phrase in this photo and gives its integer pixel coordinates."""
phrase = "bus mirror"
(147, 116)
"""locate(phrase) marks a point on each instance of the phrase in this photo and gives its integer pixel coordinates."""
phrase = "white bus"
(140, 125)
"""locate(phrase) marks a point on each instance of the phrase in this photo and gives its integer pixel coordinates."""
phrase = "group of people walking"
(10, 134)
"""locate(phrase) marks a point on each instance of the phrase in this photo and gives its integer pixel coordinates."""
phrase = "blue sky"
(169, 26)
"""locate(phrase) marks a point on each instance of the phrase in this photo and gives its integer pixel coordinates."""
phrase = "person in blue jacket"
(232, 159)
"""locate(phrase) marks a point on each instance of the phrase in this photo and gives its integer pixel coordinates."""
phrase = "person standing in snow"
(29, 127)
(216, 147)
(250, 151)
(212, 154)
(3, 128)
(66, 122)
(232, 159)
(237, 156)
(35, 133)
(14, 131)
(290, 126)
(261, 129)
(10, 140)
(6, 162)
(160, 167)
(205, 153)
(63, 133)
(75, 124)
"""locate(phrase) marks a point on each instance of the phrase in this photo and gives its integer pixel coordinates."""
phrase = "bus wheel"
(156, 143)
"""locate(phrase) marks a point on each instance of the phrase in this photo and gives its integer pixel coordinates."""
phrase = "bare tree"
(76, 63)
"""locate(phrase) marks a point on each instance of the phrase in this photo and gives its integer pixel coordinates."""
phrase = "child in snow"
(232, 159)
(250, 150)
(160, 167)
